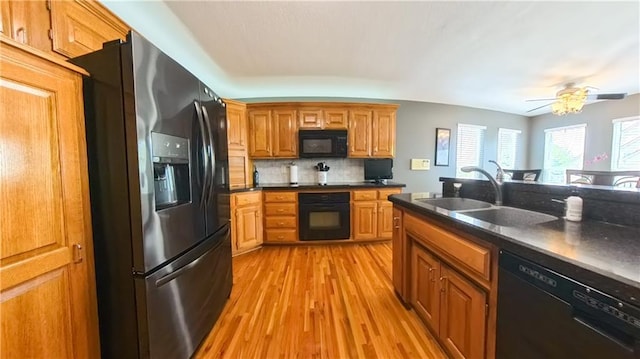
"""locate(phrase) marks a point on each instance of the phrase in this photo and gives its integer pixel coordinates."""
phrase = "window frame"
(545, 168)
(615, 143)
(480, 151)
(517, 134)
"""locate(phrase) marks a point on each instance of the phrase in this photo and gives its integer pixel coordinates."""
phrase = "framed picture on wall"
(443, 137)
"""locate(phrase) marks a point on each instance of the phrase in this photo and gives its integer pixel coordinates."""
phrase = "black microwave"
(322, 143)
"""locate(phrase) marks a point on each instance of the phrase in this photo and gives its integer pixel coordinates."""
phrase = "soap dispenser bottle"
(574, 208)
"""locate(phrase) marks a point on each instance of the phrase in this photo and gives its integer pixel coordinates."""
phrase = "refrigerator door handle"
(212, 152)
(203, 135)
(180, 271)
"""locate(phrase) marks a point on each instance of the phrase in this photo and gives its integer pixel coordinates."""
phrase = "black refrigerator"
(158, 171)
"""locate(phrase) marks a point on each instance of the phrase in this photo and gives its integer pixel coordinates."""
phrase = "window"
(625, 152)
(470, 148)
(507, 147)
(563, 150)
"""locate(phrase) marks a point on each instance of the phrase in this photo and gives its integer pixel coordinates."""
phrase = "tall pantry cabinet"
(48, 303)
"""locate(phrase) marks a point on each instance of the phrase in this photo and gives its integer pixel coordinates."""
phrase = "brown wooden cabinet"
(383, 133)
(69, 28)
(372, 214)
(452, 306)
(260, 133)
(237, 141)
(246, 221)
(451, 284)
(27, 22)
(47, 285)
(425, 287)
(399, 257)
(273, 133)
(310, 118)
(462, 315)
(336, 119)
(360, 133)
(284, 133)
(80, 27)
(281, 216)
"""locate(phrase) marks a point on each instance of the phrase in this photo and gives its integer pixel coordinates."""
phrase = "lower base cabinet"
(452, 300)
(246, 221)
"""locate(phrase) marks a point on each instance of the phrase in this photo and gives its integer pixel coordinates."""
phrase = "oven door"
(324, 221)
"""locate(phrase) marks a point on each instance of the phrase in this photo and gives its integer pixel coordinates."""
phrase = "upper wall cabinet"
(320, 117)
(273, 127)
(236, 125)
(372, 133)
(272, 132)
(27, 22)
(79, 27)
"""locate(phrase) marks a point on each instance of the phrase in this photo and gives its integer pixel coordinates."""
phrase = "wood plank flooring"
(325, 301)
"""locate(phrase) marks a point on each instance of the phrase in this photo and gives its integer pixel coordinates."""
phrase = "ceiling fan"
(571, 99)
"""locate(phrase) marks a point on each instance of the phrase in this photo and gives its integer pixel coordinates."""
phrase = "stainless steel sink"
(510, 217)
(455, 203)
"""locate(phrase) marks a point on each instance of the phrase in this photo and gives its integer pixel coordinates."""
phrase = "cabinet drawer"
(365, 195)
(280, 209)
(474, 257)
(280, 197)
(384, 193)
(281, 235)
(281, 222)
(243, 199)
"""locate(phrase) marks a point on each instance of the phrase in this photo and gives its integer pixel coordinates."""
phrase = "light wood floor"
(331, 301)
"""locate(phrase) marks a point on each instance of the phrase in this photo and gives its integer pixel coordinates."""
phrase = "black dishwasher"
(543, 314)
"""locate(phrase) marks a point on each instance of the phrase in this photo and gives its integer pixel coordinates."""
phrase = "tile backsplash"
(341, 170)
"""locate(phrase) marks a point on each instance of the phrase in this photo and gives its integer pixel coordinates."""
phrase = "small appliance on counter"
(378, 170)
(323, 170)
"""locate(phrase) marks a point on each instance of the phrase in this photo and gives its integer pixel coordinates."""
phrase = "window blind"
(625, 151)
(469, 148)
(563, 150)
(507, 147)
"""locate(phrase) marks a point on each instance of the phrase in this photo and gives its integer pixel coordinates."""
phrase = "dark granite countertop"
(315, 186)
(601, 255)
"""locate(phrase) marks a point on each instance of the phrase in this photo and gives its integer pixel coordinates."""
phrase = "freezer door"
(181, 302)
(166, 155)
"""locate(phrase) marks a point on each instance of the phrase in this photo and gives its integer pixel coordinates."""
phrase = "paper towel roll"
(293, 174)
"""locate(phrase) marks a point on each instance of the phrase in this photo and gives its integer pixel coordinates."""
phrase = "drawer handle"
(281, 224)
(279, 197)
(431, 275)
(396, 224)
(280, 210)
(280, 237)
(443, 285)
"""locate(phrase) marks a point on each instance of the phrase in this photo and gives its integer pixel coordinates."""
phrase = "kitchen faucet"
(500, 174)
(497, 187)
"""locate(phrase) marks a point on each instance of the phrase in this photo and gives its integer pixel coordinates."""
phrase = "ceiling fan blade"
(607, 96)
(541, 99)
(537, 108)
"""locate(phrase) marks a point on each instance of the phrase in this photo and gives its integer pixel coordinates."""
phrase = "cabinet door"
(384, 133)
(385, 219)
(285, 133)
(27, 22)
(80, 27)
(336, 119)
(249, 227)
(425, 286)
(47, 285)
(364, 220)
(310, 118)
(463, 319)
(398, 259)
(236, 126)
(260, 133)
(359, 133)
(238, 169)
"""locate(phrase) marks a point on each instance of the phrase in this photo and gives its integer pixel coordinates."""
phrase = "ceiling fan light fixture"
(570, 100)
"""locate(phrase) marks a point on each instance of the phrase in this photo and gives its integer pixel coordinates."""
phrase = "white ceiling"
(491, 55)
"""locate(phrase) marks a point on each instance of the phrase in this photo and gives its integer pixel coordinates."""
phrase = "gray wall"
(599, 132)
(416, 131)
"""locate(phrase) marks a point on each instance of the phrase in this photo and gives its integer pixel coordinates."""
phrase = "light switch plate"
(420, 164)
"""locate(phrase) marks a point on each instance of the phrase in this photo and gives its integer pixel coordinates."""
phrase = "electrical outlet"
(420, 164)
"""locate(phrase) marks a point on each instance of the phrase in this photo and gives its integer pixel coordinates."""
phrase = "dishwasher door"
(542, 314)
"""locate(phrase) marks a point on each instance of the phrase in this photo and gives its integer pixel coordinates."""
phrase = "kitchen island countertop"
(601, 255)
